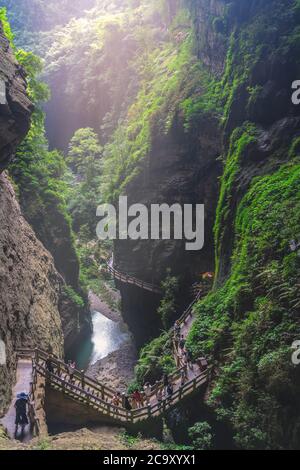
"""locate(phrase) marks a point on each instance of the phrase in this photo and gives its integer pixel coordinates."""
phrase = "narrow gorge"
(176, 103)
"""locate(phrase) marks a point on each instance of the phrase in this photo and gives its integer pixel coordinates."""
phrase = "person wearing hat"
(21, 410)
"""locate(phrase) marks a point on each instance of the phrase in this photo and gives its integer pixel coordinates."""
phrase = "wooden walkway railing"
(127, 279)
(87, 391)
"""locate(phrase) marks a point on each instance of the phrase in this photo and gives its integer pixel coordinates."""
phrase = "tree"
(85, 162)
(167, 308)
(201, 436)
(84, 157)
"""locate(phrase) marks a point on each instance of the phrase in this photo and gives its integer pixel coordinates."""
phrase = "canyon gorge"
(162, 101)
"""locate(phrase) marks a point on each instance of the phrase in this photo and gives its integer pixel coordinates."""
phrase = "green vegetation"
(156, 358)
(163, 73)
(167, 308)
(74, 296)
(84, 160)
(255, 315)
(143, 57)
(128, 440)
(201, 436)
(84, 154)
(6, 25)
(241, 139)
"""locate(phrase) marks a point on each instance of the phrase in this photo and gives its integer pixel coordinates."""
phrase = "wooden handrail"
(116, 412)
(101, 403)
(127, 279)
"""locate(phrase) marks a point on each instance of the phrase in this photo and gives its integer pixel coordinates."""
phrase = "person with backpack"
(137, 398)
(183, 376)
(126, 403)
(165, 382)
(177, 330)
(182, 343)
(71, 370)
(189, 359)
(21, 406)
(148, 392)
(49, 365)
(170, 391)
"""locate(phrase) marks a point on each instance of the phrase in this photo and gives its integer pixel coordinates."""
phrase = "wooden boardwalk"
(127, 279)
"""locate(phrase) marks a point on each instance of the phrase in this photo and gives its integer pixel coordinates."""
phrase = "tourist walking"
(177, 330)
(49, 364)
(159, 395)
(182, 343)
(189, 359)
(165, 382)
(116, 401)
(21, 406)
(126, 403)
(170, 391)
(183, 376)
(148, 392)
(137, 399)
(71, 370)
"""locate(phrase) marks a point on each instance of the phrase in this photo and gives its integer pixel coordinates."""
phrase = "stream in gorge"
(107, 337)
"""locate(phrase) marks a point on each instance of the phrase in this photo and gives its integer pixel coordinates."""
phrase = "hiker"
(183, 376)
(82, 379)
(137, 399)
(148, 391)
(182, 342)
(71, 370)
(159, 395)
(156, 387)
(49, 364)
(170, 390)
(189, 359)
(177, 329)
(126, 403)
(142, 399)
(133, 400)
(21, 406)
(178, 358)
(116, 401)
(165, 382)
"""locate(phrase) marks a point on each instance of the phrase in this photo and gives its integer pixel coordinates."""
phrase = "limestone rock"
(15, 106)
(30, 289)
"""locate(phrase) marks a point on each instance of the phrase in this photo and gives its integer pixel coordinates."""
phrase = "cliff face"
(254, 310)
(29, 286)
(15, 107)
(182, 167)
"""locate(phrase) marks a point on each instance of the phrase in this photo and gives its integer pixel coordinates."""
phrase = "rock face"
(15, 107)
(182, 167)
(30, 289)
